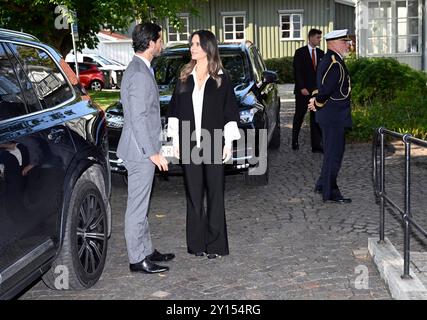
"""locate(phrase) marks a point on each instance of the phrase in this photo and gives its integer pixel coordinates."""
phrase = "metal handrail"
(378, 180)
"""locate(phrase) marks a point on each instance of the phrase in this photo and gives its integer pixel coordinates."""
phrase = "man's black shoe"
(156, 256)
(147, 266)
(295, 146)
(339, 200)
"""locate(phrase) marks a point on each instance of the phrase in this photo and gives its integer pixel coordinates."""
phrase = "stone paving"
(285, 243)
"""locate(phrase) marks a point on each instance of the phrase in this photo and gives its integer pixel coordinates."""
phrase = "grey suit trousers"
(137, 231)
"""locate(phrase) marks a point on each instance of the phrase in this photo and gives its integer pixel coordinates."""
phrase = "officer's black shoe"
(147, 266)
(339, 200)
(317, 190)
(295, 146)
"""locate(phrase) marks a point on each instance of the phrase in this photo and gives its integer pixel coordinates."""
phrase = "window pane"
(413, 44)
(229, 28)
(184, 36)
(228, 20)
(297, 34)
(240, 27)
(402, 45)
(402, 11)
(286, 26)
(11, 100)
(173, 37)
(239, 20)
(402, 27)
(286, 34)
(286, 18)
(413, 26)
(228, 36)
(297, 26)
(412, 8)
(373, 10)
(48, 81)
(240, 35)
(296, 17)
(172, 29)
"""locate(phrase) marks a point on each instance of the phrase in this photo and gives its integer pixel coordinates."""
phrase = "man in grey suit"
(140, 145)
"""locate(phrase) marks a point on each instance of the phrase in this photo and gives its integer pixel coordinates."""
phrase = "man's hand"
(305, 92)
(311, 105)
(27, 169)
(160, 162)
(226, 154)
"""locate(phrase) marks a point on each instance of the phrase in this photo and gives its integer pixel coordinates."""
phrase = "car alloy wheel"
(91, 233)
(96, 85)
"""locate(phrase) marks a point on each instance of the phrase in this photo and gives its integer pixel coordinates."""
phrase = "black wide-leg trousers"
(206, 229)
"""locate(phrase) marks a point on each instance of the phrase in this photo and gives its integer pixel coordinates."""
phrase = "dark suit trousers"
(333, 147)
(301, 104)
(206, 229)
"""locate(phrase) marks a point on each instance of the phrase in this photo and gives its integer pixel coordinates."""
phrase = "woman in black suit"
(204, 105)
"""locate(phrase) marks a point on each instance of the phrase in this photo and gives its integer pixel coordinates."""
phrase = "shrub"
(283, 67)
(387, 94)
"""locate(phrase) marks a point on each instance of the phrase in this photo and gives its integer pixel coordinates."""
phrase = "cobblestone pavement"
(285, 243)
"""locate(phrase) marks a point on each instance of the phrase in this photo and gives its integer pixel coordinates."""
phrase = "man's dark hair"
(143, 33)
(314, 32)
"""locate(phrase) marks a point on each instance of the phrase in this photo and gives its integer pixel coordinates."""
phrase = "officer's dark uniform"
(332, 101)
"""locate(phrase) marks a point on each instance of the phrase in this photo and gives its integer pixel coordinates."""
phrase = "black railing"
(378, 176)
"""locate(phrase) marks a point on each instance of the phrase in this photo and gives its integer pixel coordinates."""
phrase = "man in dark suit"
(332, 102)
(305, 64)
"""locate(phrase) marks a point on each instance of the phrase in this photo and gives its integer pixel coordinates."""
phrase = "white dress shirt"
(231, 131)
(147, 63)
(310, 49)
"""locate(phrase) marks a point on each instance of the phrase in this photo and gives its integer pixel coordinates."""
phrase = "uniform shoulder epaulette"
(334, 60)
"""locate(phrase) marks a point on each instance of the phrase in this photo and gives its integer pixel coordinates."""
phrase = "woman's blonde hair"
(209, 45)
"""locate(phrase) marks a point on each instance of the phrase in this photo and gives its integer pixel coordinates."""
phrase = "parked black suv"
(55, 216)
(256, 92)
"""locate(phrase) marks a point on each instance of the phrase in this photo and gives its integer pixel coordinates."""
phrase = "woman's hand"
(226, 154)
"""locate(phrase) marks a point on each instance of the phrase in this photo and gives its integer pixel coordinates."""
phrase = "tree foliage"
(41, 17)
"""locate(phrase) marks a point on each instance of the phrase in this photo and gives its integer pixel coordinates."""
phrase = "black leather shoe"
(213, 256)
(147, 266)
(199, 254)
(156, 256)
(317, 190)
(295, 146)
(339, 200)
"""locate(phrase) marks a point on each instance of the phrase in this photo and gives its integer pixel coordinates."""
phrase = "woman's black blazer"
(219, 108)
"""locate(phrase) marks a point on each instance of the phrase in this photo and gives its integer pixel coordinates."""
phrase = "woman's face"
(197, 53)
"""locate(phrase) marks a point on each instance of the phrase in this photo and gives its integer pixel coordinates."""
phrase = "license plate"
(167, 151)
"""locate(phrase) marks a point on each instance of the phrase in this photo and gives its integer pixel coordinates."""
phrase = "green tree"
(41, 18)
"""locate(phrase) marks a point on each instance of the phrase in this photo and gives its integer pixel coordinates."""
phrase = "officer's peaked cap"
(337, 35)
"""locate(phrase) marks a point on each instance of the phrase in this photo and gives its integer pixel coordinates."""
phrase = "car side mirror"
(269, 77)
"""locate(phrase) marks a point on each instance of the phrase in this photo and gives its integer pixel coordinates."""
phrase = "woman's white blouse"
(231, 131)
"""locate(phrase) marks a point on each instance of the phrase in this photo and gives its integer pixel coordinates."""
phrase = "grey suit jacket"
(140, 137)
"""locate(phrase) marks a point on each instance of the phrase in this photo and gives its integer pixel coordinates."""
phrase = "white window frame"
(394, 36)
(234, 15)
(177, 33)
(291, 13)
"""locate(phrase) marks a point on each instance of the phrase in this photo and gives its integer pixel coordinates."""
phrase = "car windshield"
(168, 67)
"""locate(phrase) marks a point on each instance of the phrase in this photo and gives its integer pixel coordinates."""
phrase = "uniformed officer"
(332, 103)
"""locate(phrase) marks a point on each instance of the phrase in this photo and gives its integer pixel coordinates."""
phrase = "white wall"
(119, 50)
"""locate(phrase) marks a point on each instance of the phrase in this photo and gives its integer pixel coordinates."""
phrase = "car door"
(36, 147)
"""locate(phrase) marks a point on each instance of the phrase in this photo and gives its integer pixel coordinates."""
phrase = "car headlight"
(247, 116)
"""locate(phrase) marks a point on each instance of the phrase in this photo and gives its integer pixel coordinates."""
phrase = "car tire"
(82, 256)
(275, 139)
(96, 85)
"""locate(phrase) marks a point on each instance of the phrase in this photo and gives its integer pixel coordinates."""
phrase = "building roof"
(109, 35)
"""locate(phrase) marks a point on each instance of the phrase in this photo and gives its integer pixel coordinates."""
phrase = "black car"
(257, 95)
(55, 182)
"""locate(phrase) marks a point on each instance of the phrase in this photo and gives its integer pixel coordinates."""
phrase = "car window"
(11, 99)
(236, 65)
(168, 67)
(88, 59)
(47, 79)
